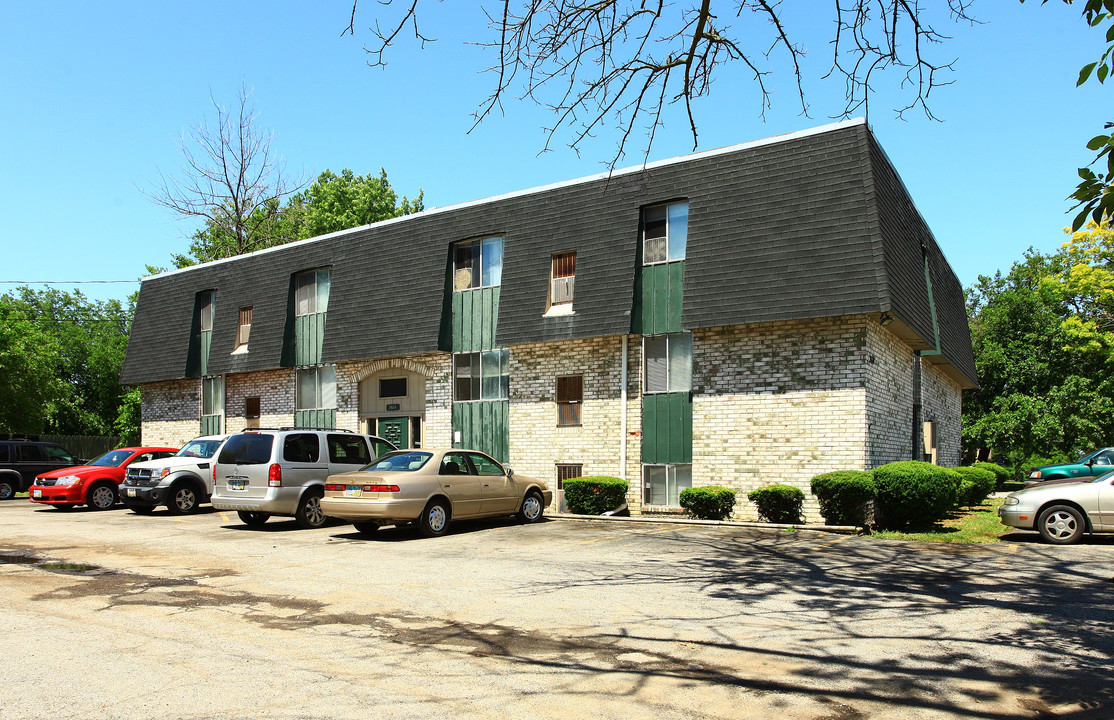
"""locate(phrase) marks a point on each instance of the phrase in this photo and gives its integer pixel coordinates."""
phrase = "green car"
(1093, 463)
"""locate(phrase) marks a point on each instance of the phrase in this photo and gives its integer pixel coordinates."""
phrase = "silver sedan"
(1063, 512)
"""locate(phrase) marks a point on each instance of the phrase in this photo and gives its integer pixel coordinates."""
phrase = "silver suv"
(181, 482)
(265, 472)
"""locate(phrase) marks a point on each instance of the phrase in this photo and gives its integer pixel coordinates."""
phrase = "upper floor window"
(570, 398)
(212, 396)
(665, 232)
(562, 276)
(478, 263)
(668, 363)
(243, 330)
(316, 388)
(482, 375)
(207, 300)
(311, 291)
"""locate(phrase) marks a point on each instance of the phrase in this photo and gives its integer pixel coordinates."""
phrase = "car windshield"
(406, 461)
(112, 458)
(199, 448)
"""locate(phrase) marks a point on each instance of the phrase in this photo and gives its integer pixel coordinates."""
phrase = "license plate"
(353, 491)
(36, 493)
(237, 484)
(130, 492)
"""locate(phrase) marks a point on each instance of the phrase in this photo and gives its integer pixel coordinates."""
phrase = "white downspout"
(623, 415)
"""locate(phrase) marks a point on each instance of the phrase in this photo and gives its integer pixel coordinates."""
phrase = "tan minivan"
(432, 488)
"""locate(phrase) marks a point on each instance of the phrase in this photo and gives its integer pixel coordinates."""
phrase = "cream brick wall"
(772, 403)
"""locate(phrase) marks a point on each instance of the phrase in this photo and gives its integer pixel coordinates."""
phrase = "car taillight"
(335, 488)
(274, 476)
(214, 472)
(380, 488)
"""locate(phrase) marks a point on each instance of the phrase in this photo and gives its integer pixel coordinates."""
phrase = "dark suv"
(22, 457)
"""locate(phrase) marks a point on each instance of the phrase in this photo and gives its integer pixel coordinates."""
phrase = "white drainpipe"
(623, 416)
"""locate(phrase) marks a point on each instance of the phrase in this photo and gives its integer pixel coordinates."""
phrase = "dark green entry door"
(396, 429)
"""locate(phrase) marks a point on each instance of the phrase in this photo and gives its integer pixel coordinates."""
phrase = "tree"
(1042, 395)
(1087, 287)
(232, 180)
(338, 202)
(593, 62)
(61, 356)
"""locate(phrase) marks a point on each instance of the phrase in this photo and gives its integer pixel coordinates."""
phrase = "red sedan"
(95, 484)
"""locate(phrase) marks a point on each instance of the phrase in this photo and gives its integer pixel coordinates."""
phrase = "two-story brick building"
(756, 314)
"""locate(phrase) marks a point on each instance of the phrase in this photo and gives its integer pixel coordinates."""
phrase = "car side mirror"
(510, 472)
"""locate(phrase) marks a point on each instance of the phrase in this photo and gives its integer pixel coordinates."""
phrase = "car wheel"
(7, 489)
(309, 515)
(102, 496)
(182, 499)
(1061, 525)
(434, 521)
(142, 509)
(252, 519)
(532, 507)
(366, 528)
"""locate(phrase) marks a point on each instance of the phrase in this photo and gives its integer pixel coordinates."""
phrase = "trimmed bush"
(708, 503)
(778, 503)
(975, 486)
(594, 495)
(843, 496)
(914, 493)
(1001, 475)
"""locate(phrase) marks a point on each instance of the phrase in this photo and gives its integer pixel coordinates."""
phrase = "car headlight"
(160, 474)
(1010, 500)
(1035, 475)
(67, 480)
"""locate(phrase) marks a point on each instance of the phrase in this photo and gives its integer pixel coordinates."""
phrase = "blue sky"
(95, 96)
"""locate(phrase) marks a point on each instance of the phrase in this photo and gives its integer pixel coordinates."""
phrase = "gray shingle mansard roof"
(813, 224)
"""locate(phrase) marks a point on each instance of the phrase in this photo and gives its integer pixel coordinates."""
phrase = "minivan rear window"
(250, 449)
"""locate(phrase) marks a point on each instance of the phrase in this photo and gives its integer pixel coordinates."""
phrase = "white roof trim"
(831, 127)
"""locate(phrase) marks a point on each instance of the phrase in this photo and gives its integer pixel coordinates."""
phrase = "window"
(570, 398)
(392, 388)
(301, 447)
(567, 472)
(316, 388)
(454, 464)
(212, 396)
(482, 375)
(252, 407)
(485, 465)
(665, 231)
(30, 453)
(478, 263)
(311, 291)
(243, 331)
(348, 449)
(206, 310)
(667, 363)
(662, 484)
(562, 276)
(57, 454)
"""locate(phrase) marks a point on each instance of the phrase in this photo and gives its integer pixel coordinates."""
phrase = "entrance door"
(395, 429)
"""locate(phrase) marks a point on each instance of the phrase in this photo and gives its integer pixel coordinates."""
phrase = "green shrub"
(843, 496)
(594, 495)
(976, 485)
(914, 493)
(1001, 475)
(708, 503)
(778, 503)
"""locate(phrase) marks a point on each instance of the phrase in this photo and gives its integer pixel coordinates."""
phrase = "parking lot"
(114, 615)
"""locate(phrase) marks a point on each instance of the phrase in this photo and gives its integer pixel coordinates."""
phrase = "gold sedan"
(432, 488)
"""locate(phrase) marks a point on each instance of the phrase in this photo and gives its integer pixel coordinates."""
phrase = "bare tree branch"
(600, 64)
(230, 178)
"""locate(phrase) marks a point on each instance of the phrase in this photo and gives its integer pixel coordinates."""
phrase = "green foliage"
(1043, 391)
(594, 495)
(975, 485)
(843, 496)
(333, 202)
(914, 493)
(60, 360)
(778, 503)
(708, 503)
(128, 418)
(1001, 475)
